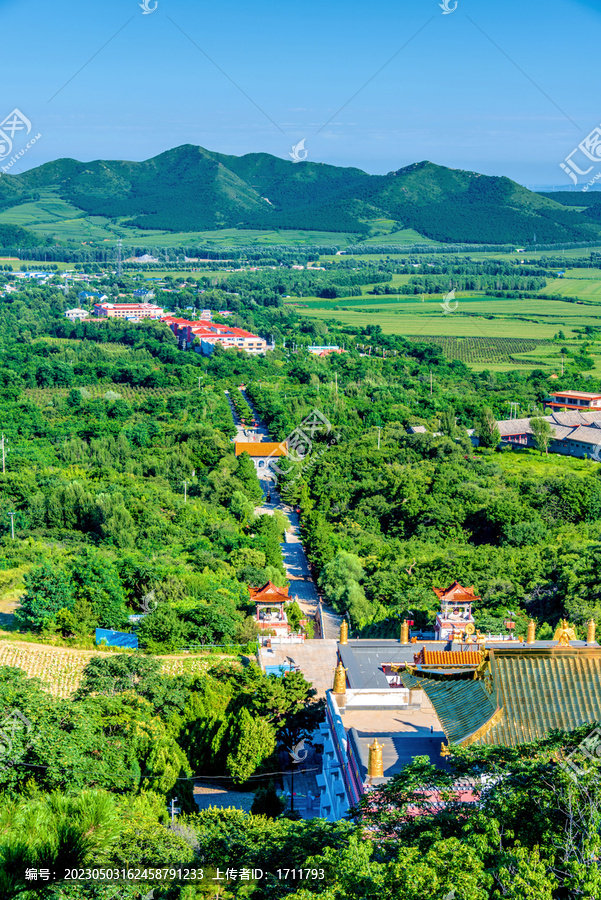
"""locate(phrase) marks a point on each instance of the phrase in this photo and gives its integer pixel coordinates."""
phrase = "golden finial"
(404, 632)
(340, 679)
(531, 636)
(564, 633)
(375, 766)
(444, 750)
(344, 632)
(590, 634)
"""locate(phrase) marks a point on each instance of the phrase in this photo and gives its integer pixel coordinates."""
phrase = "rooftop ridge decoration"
(269, 593)
(443, 658)
(517, 694)
(456, 591)
(564, 633)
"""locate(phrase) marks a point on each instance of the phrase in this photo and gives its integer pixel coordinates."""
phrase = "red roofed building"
(574, 400)
(455, 611)
(128, 311)
(270, 615)
(209, 334)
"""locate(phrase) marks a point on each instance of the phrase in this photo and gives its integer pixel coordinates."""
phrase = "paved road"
(302, 586)
(259, 433)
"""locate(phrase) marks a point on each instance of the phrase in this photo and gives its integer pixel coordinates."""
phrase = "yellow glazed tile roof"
(518, 696)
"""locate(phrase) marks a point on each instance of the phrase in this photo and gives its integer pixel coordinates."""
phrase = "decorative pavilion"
(456, 612)
(270, 605)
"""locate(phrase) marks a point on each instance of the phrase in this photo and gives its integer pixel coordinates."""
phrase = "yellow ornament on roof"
(564, 633)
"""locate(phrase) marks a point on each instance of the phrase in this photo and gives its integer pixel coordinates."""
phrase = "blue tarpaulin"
(116, 638)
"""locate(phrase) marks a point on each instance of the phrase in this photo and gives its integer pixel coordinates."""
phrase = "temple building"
(455, 612)
(270, 608)
(513, 694)
(264, 454)
(393, 700)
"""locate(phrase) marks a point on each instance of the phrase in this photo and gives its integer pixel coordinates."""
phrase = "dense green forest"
(189, 189)
(88, 790)
(127, 500)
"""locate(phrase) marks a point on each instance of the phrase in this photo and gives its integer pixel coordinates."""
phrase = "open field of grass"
(407, 236)
(32, 264)
(414, 325)
(477, 315)
(533, 463)
(587, 288)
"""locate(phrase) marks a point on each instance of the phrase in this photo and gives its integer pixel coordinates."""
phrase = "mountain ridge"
(190, 188)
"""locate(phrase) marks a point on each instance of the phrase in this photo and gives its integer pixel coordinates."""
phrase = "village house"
(574, 433)
(578, 400)
(76, 315)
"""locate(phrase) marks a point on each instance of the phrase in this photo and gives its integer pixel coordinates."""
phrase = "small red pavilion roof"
(269, 593)
(456, 592)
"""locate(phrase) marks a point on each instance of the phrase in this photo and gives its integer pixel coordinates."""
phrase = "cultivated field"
(60, 670)
(45, 396)
(483, 331)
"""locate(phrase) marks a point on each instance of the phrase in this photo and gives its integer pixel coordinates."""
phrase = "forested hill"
(191, 189)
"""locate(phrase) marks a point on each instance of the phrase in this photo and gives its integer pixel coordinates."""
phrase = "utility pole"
(12, 525)
(185, 484)
(174, 809)
(4, 453)
(199, 377)
(430, 382)
(336, 382)
(119, 260)
(379, 432)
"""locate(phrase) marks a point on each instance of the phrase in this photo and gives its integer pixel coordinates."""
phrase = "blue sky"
(498, 86)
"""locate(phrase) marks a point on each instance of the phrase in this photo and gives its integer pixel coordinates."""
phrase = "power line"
(198, 776)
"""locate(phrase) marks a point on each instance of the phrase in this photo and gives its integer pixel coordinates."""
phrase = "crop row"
(61, 670)
(42, 396)
(481, 349)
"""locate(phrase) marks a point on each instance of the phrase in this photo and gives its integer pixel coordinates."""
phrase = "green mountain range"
(191, 189)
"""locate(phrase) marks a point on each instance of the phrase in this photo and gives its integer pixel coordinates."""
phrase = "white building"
(76, 315)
